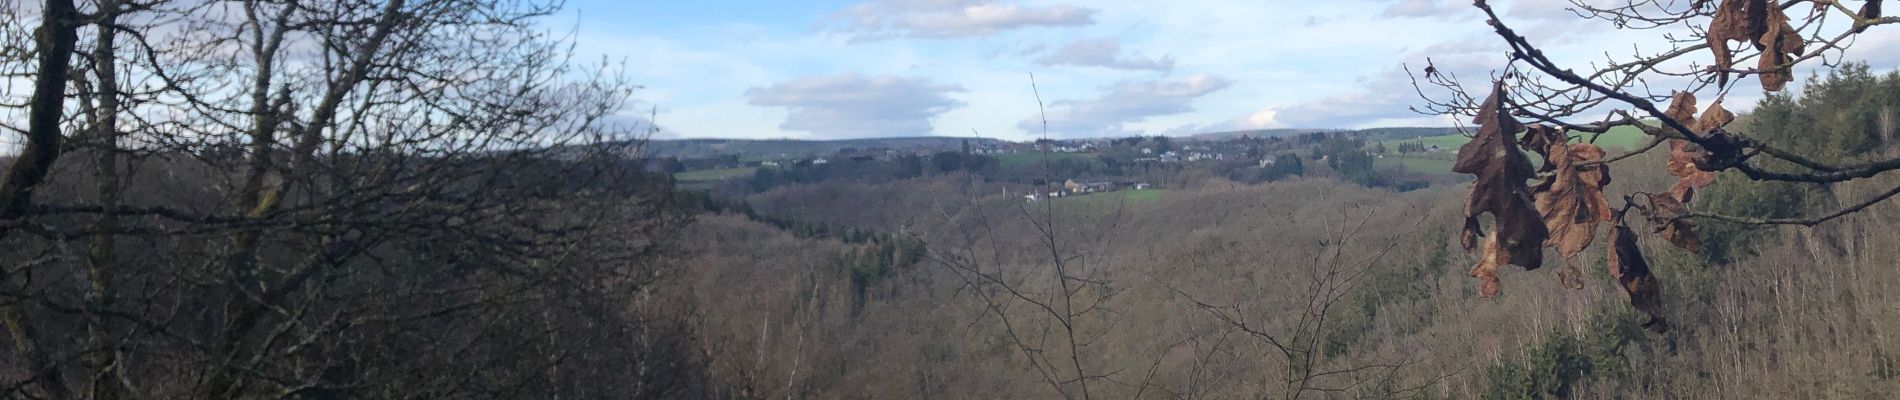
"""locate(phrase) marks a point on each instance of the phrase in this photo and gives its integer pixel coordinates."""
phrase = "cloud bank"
(1124, 103)
(1105, 53)
(853, 105)
(941, 19)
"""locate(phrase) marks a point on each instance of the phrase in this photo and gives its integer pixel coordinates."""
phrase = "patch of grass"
(1622, 137)
(710, 175)
(1029, 158)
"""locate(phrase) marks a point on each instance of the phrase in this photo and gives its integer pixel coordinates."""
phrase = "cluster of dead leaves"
(1762, 23)
(1566, 207)
(1669, 212)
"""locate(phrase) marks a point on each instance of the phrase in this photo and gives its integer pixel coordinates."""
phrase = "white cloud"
(884, 19)
(1429, 9)
(1105, 53)
(1123, 104)
(854, 105)
(1385, 96)
(1317, 65)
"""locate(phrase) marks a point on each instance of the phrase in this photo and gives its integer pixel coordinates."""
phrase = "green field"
(1622, 137)
(1619, 138)
(710, 175)
(1020, 159)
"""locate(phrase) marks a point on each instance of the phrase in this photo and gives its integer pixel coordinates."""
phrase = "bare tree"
(1565, 208)
(1330, 277)
(1550, 93)
(283, 198)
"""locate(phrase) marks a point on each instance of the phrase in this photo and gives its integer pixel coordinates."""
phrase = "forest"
(287, 199)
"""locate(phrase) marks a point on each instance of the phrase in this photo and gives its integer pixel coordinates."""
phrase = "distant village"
(1065, 168)
(1073, 188)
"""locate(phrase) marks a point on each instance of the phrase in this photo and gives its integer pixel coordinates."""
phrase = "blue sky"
(842, 69)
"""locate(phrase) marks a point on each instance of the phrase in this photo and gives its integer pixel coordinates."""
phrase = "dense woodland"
(281, 199)
(1193, 295)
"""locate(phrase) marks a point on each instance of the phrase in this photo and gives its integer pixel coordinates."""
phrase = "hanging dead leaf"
(1762, 23)
(1671, 219)
(1518, 231)
(1572, 204)
(1632, 273)
(1779, 47)
(1731, 23)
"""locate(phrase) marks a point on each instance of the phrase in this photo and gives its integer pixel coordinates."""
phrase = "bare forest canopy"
(288, 199)
(755, 149)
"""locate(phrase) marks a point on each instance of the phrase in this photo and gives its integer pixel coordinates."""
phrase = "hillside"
(761, 149)
(1259, 133)
(1172, 272)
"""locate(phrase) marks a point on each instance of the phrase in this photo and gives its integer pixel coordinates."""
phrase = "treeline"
(1413, 147)
(328, 200)
(1347, 156)
(676, 165)
(873, 257)
(1283, 166)
(1739, 288)
(706, 202)
(900, 167)
(1850, 114)
(880, 259)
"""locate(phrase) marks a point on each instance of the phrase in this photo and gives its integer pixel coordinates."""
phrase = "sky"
(1026, 69)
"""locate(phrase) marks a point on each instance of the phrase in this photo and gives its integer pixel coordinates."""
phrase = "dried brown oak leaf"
(1572, 204)
(1731, 22)
(1671, 220)
(1759, 22)
(1631, 271)
(1779, 47)
(1518, 230)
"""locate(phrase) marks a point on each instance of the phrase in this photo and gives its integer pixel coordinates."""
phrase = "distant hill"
(1400, 133)
(764, 149)
(1394, 133)
(772, 149)
(1256, 133)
